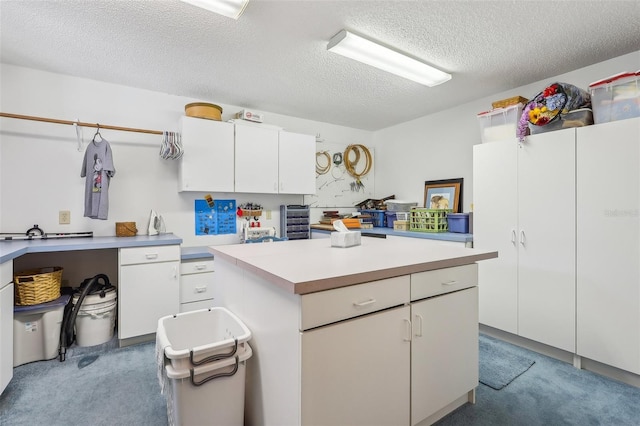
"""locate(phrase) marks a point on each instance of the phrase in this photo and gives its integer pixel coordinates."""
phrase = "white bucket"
(96, 318)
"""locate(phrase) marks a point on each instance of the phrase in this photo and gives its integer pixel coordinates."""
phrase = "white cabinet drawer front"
(6, 273)
(196, 267)
(137, 255)
(440, 281)
(334, 305)
(196, 287)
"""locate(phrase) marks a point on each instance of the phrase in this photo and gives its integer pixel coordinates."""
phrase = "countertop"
(442, 236)
(307, 266)
(9, 250)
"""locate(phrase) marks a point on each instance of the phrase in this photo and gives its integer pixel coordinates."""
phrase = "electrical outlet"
(268, 214)
(64, 217)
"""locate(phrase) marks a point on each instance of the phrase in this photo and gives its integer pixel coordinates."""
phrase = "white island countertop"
(308, 266)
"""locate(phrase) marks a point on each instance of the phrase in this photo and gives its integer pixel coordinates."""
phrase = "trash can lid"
(44, 307)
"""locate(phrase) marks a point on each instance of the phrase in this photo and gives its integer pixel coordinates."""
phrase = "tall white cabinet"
(608, 242)
(524, 205)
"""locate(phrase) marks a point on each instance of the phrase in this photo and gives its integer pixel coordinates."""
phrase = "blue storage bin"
(391, 217)
(458, 222)
(377, 217)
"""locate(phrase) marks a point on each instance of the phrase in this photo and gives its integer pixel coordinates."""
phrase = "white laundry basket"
(202, 360)
(96, 320)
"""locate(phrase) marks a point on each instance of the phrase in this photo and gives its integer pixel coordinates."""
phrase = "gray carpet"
(98, 385)
(500, 364)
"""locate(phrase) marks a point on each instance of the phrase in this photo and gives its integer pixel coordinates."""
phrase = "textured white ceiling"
(274, 57)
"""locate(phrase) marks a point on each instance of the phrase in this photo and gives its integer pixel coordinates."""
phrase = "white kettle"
(156, 224)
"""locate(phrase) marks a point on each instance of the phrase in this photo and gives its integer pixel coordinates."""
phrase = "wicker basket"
(37, 285)
(126, 229)
(510, 101)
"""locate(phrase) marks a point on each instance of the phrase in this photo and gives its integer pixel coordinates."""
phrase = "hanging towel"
(97, 169)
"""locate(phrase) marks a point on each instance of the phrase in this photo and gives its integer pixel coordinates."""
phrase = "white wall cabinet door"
(296, 163)
(495, 226)
(608, 243)
(533, 227)
(444, 351)
(256, 159)
(207, 162)
(546, 239)
(357, 372)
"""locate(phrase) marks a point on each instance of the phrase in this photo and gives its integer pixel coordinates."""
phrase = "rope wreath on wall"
(350, 165)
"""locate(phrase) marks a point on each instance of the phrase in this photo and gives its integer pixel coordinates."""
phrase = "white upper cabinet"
(207, 162)
(296, 163)
(272, 161)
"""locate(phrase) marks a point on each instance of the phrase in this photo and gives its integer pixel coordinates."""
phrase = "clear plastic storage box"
(500, 123)
(616, 97)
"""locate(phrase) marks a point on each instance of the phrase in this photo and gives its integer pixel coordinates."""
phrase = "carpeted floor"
(107, 386)
(500, 364)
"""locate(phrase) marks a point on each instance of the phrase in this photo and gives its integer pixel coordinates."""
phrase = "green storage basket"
(429, 220)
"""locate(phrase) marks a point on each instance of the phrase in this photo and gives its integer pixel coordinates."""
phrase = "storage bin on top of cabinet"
(616, 97)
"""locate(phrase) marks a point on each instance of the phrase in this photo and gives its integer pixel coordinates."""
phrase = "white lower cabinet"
(148, 288)
(367, 362)
(608, 247)
(196, 285)
(357, 372)
(6, 324)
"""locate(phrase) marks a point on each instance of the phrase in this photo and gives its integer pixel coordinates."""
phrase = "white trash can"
(201, 359)
(96, 319)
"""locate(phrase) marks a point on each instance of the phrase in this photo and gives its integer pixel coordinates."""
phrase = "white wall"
(439, 146)
(40, 162)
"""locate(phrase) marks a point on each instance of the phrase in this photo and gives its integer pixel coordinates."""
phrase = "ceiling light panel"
(230, 8)
(366, 51)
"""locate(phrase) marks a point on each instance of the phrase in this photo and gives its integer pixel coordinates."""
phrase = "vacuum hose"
(67, 334)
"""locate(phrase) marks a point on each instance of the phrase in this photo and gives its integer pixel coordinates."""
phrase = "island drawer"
(196, 267)
(440, 281)
(151, 254)
(329, 306)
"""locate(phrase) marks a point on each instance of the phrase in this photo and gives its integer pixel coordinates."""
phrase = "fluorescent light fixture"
(366, 51)
(230, 8)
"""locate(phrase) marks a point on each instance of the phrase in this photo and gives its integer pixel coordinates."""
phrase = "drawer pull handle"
(151, 255)
(452, 282)
(363, 304)
(202, 289)
(201, 267)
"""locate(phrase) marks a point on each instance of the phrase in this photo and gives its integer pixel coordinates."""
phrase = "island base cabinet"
(357, 372)
(444, 348)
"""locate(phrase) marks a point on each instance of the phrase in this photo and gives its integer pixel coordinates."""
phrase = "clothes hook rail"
(79, 123)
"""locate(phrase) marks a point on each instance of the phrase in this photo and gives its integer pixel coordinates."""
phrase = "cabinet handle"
(452, 282)
(408, 323)
(419, 333)
(513, 237)
(522, 238)
(175, 272)
(202, 289)
(201, 267)
(363, 304)
(151, 255)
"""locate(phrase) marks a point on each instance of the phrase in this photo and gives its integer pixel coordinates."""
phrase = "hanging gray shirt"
(98, 169)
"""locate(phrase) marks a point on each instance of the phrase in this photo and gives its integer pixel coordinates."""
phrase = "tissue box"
(345, 239)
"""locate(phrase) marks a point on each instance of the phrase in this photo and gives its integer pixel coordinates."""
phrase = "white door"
(608, 243)
(495, 227)
(207, 162)
(357, 372)
(6, 333)
(297, 156)
(256, 159)
(147, 292)
(546, 239)
(444, 351)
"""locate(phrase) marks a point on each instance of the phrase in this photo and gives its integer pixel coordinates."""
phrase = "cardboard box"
(250, 115)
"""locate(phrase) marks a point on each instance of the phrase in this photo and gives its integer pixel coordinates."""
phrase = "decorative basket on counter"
(36, 286)
(126, 229)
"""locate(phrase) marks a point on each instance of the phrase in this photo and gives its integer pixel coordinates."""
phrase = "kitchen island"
(385, 333)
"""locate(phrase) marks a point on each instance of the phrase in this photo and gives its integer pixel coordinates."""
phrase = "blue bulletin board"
(215, 217)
